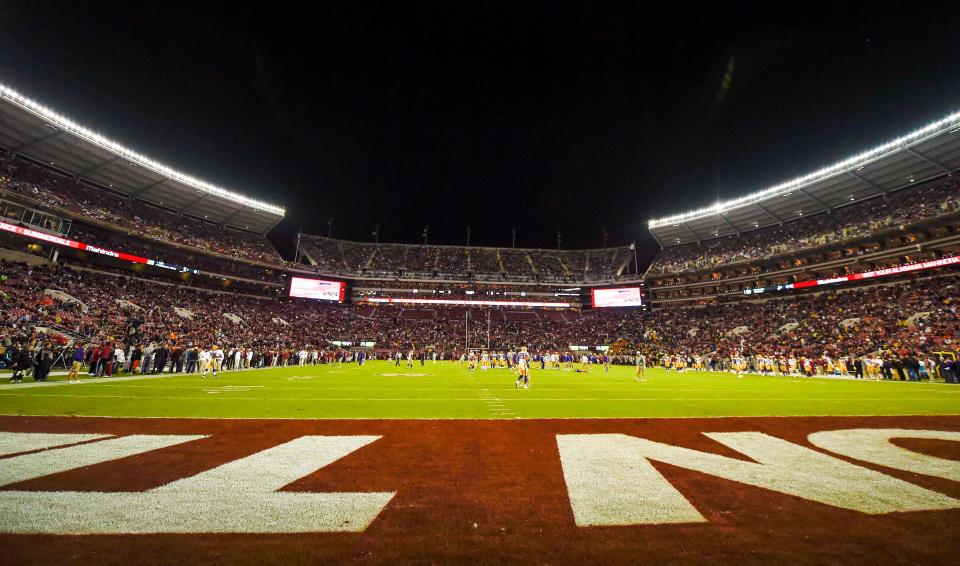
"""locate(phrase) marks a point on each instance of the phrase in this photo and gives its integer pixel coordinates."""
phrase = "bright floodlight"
(851, 163)
(72, 127)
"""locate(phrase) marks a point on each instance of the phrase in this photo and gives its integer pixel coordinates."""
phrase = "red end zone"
(483, 491)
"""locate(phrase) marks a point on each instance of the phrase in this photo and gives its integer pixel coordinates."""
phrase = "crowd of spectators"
(887, 322)
(484, 260)
(907, 318)
(173, 256)
(899, 209)
(419, 261)
(69, 194)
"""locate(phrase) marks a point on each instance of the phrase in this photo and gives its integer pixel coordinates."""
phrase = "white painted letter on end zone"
(611, 482)
(237, 497)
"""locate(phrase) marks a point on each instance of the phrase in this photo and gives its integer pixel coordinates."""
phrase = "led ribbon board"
(463, 302)
(905, 268)
(68, 243)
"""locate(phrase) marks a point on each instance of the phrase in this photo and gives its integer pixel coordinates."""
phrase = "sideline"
(83, 381)
(86, 379)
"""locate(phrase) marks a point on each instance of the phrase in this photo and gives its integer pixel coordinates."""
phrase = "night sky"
(543, 117)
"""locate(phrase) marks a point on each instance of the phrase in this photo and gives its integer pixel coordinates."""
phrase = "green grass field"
(380, 390)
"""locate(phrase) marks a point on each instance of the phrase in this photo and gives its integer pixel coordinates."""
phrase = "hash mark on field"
(232, 388)
(494, 404)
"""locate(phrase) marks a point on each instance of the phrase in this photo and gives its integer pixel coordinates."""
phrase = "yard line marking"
(494, 404)
(230, 388)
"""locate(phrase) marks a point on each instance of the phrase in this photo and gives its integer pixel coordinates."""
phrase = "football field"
(435, 464)
(439, 391)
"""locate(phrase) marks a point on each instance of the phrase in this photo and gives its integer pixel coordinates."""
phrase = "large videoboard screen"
(317, 289)
(619, 297)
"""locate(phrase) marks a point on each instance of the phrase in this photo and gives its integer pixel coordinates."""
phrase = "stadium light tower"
(426, 232)
(296, 254)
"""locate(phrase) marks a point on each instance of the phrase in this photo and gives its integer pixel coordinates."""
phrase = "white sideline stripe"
(512, 400)
(545, 386)
(491, 419)
(541, 389)
(30, 466)
(16, 442)
(86, 379)
(237, 497)
(83, 381)
(873, 445)
(619, 489)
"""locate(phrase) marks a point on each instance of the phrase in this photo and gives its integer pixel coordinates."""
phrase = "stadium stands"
(910, 317)
(221, 284)
(912, 225)
(407, 261)
(72, 198)
(861, 220)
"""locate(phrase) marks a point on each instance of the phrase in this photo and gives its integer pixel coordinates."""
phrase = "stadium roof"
(927, 153)
(36, 132)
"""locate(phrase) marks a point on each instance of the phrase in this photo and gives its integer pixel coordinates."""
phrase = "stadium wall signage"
(905, 268)
(466, 302)
(68, 243)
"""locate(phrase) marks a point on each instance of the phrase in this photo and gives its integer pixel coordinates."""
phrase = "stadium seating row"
(496, 264)
(859, 220)
(73, 197)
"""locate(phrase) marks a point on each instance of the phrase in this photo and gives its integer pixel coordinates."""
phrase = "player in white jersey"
(217, 355)
(641, 367)
(739, 364)
(204, 358)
